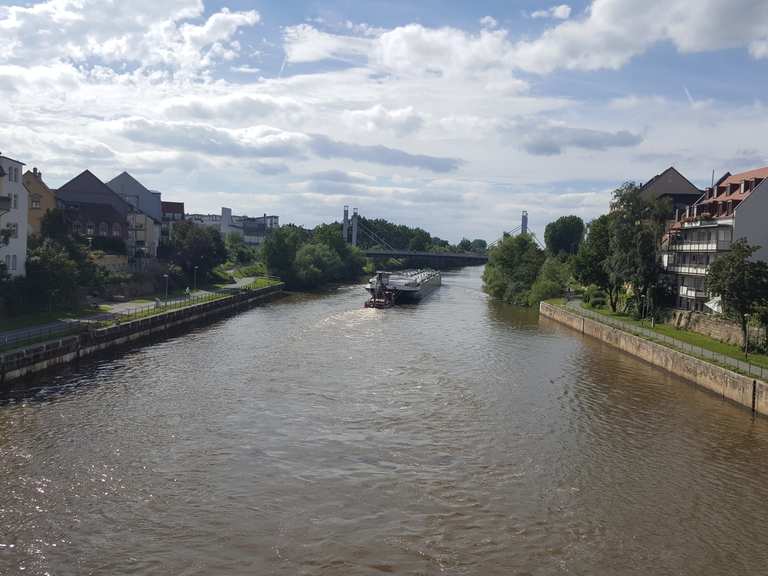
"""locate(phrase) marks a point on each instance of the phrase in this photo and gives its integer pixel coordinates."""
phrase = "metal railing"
(30, 336)
(172, 304)
(743, 366)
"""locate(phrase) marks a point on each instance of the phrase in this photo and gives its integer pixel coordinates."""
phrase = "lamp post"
(194, 284)
(166, 287)
(746, 337)
(642, 307)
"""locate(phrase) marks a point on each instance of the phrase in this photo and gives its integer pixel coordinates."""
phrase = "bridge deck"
(465, 256)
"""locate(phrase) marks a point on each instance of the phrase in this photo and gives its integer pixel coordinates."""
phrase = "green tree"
(279, 251)
(741, 283)
(552, 280)
(479, 245)
(238, 251)
(200, 246)
(637, 225)
(316, 264)
(54, 226)
(590, 265)
(564, 235)
(465, 245)
(512, 268)
(420, 241)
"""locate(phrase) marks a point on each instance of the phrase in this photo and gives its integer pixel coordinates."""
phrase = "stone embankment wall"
(743, 390)
(46, 355)
(718, 328)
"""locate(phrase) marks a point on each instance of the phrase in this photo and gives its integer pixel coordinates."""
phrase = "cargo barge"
(405, 286)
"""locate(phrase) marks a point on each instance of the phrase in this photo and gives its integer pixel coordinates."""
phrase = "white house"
(14, 214)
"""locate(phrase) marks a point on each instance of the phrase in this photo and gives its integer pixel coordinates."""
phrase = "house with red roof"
(735, 207)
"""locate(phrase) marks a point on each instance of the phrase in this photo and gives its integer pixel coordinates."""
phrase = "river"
(312, 436)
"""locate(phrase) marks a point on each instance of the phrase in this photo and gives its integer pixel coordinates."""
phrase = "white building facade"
(14, 215)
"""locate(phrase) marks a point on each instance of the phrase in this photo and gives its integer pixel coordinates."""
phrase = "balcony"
(691, 292)
(694, 269)
(688, 246)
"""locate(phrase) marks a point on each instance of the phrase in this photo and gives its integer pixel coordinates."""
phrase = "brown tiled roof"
(749, 175)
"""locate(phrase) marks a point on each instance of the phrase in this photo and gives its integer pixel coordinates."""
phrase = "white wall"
(17, 247)
(751, 220)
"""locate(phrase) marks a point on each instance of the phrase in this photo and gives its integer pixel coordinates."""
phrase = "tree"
(564, 235)
(741, 283)
(552, 280)
(591, 263)
(512, 268)
(197, 246)
(637, 225)
(465, 245)
(237, 250)
(420, 241)
(316, 264)
(54, 226)
(479, 245)
(279, 251)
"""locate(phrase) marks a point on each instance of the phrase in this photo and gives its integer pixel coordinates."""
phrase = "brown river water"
(313, 436)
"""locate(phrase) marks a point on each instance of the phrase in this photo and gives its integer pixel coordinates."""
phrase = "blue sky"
(453, 116)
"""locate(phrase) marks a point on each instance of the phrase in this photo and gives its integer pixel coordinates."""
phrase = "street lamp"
(642, 306)
(195, 280)
(166, 287)
(746, 336)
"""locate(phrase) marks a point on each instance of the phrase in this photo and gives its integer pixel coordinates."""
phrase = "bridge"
(435, 259)
(351, 227)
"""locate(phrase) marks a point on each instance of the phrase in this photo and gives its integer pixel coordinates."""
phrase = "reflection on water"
(312, 436)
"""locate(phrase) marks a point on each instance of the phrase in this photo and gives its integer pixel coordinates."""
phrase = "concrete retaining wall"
(743, 390)
(47, 355)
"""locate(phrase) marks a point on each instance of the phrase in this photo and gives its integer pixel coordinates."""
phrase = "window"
(116, 230)
(14, 262)
(90, 228)
(103, 229)
(14, 228)
(7, 261)
(35, 204)
(77, 228)
(15, 202)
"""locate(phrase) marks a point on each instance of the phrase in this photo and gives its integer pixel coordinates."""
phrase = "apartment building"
(172, 212)
(13, 216)
(253, 229)
(734, 208)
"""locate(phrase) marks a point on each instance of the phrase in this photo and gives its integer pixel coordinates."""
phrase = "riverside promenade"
(663, 351)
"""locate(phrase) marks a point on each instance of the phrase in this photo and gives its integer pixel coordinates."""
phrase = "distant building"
(253, 230)
(735, 207)
(140, 197)
(13, 216)
(41, 199)
(83, 193)
(673, 186)
(145, 220)
(172, 212)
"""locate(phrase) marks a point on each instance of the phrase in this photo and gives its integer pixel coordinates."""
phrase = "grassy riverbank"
(692, 338)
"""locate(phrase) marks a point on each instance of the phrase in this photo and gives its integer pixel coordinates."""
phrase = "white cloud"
(488, 22)
(614, 31)
(304, 43)
(561, 12)
(402, 121)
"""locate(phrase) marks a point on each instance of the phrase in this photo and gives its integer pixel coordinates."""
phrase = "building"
(253, 230)
(13, 216)
(172, 212)
(145, 220)
(672, 186)
(137, 195)
(734, 208)
(41, 199)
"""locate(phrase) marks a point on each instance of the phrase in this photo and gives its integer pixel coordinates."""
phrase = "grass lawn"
(693, 338)
(556, 301)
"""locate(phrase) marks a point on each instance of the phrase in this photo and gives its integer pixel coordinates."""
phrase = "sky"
(453, 116)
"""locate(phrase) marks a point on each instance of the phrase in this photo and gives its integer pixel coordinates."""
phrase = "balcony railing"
(689, 292)
(687, 269)
(689, 246)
